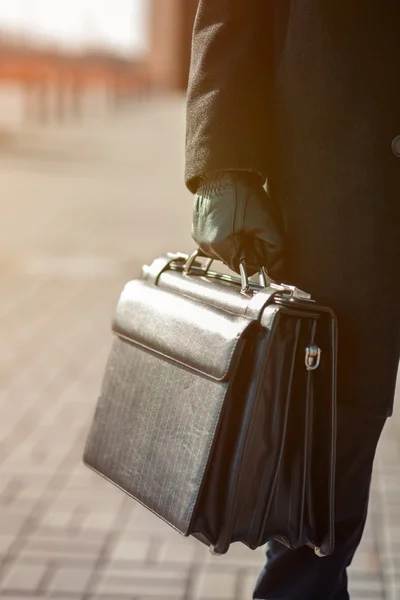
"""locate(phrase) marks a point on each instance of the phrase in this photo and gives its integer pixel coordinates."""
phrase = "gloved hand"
(234, 219)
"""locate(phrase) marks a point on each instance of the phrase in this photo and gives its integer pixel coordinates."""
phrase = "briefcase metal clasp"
(295, 292)
(313, 357)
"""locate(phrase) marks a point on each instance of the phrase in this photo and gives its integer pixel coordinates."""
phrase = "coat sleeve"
(228, 93)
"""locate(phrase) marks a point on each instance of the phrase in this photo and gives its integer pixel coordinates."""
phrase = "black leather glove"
(234, 219)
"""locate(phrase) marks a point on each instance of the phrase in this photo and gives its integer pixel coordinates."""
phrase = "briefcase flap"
(196, 335)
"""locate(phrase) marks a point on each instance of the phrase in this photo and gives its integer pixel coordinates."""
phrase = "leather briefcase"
(218, 406)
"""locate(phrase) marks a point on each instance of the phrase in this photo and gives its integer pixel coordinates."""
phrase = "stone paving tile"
(68, 580)
(23, 577)
(170, 552)
(64, 531)
(143, 581)
(151, 597)
(131, 550)
(20, 596)
(210, 585)
(5, 543)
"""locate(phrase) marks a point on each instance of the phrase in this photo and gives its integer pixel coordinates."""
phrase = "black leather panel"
(153, 431)
(216, 292)
(197, 336)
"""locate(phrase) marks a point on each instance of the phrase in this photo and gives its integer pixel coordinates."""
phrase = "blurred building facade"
(171, 25)
(46, 81)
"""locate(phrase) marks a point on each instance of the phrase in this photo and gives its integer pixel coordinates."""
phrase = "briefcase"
(217, 410)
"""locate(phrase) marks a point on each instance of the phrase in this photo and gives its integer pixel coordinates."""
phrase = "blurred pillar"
(171, 27)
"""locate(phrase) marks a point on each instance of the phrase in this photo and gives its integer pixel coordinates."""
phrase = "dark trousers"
(300, 574)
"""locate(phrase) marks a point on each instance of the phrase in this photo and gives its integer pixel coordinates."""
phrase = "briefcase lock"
(313, 357)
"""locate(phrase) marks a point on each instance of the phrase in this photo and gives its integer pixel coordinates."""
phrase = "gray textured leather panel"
(153, 431)
(218, 293)
(161, 321)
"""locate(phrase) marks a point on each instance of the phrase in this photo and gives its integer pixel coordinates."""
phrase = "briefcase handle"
(187, 264)
(264, 279)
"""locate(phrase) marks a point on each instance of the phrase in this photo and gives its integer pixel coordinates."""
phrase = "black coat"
(307, 93)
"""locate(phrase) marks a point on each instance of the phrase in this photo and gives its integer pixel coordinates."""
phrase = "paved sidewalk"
(83, 208)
